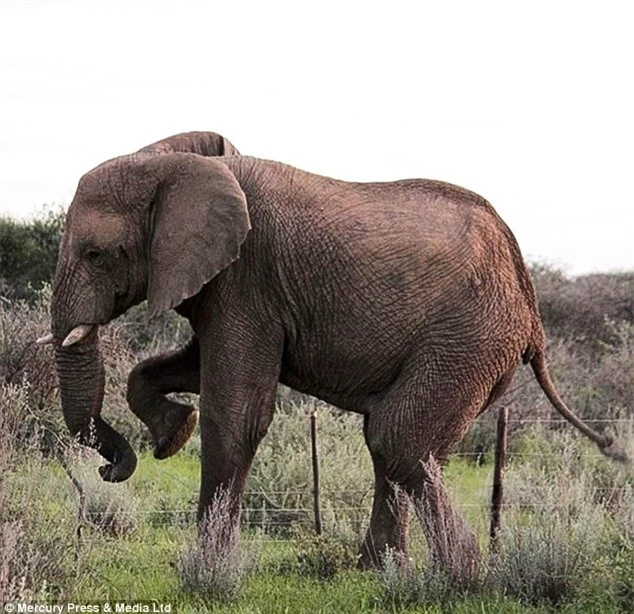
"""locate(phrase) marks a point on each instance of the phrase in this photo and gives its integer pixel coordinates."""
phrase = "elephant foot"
(174, 432)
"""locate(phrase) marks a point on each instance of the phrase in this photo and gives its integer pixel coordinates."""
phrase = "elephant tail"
(606, 444)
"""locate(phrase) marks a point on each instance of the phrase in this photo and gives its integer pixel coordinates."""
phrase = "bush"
(35, 548)
(401, 586)
(322, 557)
(581, 309)
(550, 556)
(28, 253)
(102, 506)
(22, 361)
(563, 519)
(280, 481)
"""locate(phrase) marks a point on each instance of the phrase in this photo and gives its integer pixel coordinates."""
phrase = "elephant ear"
(199, 221)
(202, 143)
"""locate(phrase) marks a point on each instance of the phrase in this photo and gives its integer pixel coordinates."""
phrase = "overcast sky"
(530, 104)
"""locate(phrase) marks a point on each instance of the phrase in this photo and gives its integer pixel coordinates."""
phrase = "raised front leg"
(170, 423)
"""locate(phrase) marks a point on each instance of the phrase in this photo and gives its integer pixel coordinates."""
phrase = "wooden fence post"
(497, 494)
(316, 487)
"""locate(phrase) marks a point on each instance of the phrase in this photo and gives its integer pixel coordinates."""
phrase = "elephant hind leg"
(171, 423)
(389, 520)
(412, 433)
(453, 546)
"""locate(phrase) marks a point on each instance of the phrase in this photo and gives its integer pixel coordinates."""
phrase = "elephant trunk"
(81, 378)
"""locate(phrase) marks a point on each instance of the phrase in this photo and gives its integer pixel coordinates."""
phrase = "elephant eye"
(94, 256)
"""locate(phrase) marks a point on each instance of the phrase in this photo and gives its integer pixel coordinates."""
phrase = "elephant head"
(149, 225)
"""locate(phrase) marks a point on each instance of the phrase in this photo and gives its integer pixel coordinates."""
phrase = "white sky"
(529, 104)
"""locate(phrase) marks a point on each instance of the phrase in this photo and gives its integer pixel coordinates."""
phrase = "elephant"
(407, 302)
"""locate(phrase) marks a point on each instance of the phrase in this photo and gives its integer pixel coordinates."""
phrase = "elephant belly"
(343, 367)
(355, 359)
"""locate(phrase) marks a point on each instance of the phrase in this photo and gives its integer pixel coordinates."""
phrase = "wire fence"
(276, 512)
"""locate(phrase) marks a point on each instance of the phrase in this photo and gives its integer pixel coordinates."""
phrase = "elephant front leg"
(170, 423)
(239, 375)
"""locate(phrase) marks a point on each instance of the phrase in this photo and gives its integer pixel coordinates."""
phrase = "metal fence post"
(497, 494)
(316, 487)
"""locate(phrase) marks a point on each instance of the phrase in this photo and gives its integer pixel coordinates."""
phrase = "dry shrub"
(35, 547)
(22, 361)
(24, 572)
(563, 517)
(102, 506)
(580, 309)
(216, 566)
(147, 336)
(453, 552)
(401, 584)
(452, 568)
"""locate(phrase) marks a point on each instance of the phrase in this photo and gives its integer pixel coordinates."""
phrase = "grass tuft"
(216, 566)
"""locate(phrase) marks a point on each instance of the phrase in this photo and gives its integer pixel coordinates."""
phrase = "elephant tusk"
(45, 340)
(77, 334)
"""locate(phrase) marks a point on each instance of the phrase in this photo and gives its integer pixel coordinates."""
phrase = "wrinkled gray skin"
(407, 302)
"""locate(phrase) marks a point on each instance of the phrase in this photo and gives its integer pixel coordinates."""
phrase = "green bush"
(28, 253)
(280, 481)
(567, 522)
(581, 309)
(402, 585)
(322, 556)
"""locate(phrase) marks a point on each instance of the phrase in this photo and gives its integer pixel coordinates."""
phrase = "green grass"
(557, 493)
(141, 564)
